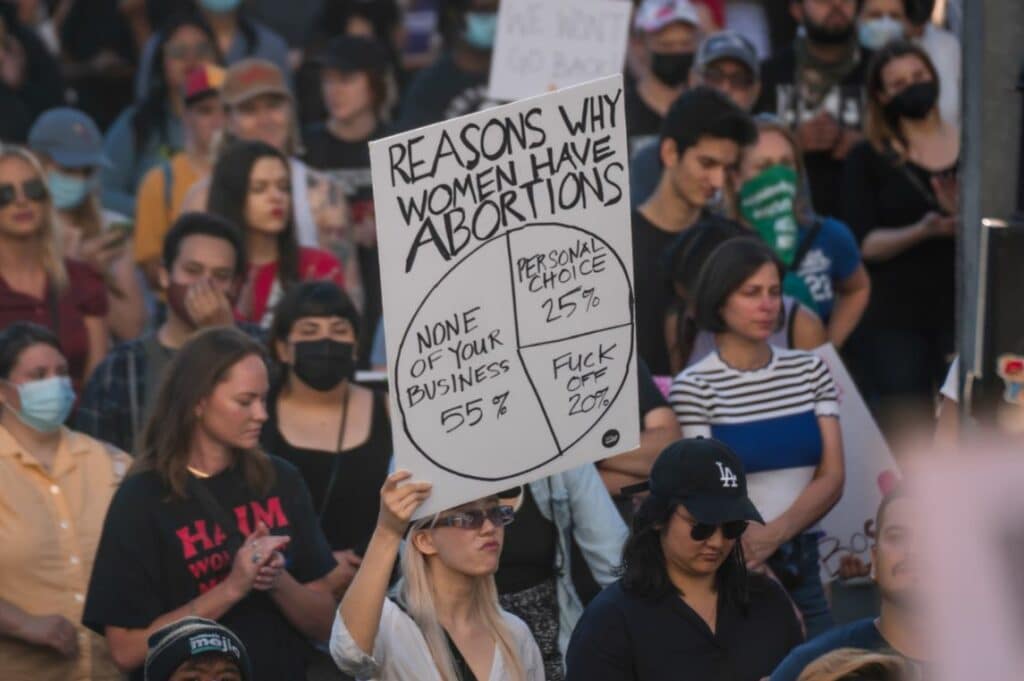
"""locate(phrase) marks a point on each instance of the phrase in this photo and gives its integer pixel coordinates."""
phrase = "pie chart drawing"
(517, 353)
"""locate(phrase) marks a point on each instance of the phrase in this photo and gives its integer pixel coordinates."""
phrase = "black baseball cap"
(347, 53)
(177, 643)
(706, 477)
(706, 112)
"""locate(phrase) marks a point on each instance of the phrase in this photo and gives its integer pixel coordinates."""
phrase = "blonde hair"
(51, 250)
(417, 594)
(854, 664)
(802, 203)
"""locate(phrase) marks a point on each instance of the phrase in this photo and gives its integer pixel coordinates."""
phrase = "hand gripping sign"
(506, 265)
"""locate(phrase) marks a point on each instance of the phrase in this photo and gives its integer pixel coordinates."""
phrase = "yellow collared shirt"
(50, 525)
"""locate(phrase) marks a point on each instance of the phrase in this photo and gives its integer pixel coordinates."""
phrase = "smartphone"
(123, 229)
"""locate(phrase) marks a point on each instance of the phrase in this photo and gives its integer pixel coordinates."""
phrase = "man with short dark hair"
(899, 627)
(816, 86)
(700, 141)
(201, 274)
(725, 61)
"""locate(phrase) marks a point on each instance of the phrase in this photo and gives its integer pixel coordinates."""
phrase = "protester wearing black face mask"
(335, 432)
(816, 86)
(900, 201)
(669, 31)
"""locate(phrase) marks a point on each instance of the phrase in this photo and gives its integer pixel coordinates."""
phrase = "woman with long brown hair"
(900, 201)
(206, 524)
(37, 283)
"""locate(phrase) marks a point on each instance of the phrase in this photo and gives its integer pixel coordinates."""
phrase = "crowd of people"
(196, 486)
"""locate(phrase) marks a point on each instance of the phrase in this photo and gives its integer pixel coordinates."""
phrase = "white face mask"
(877, 33)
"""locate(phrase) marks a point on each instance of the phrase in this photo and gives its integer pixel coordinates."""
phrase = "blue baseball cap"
(69, 137)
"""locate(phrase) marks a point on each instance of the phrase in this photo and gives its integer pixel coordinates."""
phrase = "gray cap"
(69, 137)
(728, 45)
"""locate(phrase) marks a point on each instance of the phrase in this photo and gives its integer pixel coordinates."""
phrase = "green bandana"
(766, 203)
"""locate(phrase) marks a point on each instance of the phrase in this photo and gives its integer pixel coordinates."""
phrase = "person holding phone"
(70, 147)
(207, 524)
(444, 621)
(901, 202)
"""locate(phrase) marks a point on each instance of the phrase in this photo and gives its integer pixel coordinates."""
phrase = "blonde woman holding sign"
(443, 622)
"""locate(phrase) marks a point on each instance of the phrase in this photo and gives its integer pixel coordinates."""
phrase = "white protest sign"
(543, 45)
(506, 263)
(870, 468)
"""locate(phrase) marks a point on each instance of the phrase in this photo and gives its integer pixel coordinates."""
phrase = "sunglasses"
(738, 80)
(732, 529)
(33, 190)
(474, 519)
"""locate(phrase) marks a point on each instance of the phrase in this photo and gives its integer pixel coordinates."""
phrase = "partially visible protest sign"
(506, 264)
(870, 472)
(542, 45)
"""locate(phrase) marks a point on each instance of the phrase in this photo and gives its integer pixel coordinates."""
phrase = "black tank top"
(350, 515)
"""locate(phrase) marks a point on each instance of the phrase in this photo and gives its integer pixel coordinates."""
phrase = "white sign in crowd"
(543, 45)
(506, 257)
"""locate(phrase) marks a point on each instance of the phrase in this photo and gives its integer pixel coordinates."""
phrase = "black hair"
(682, 264)
(229, 191)
(153, 112)
(204, 224)
(644, 573)
(705, 112)
(18, 337)
(918, 12)
(310, 299)
(383, 15)
(245, 25)
(728, 266)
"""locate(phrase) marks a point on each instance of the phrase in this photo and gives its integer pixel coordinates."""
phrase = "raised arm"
(363, 603)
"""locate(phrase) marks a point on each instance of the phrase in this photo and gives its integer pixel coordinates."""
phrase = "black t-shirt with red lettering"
(158, 552)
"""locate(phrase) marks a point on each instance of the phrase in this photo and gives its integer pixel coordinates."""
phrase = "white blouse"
(400, 652)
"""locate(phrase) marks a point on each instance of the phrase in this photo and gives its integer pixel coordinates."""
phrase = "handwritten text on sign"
(507, 280)
(543, 45)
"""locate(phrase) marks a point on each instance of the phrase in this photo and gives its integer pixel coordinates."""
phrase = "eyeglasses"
(740, 80)
(33, 190)
(732, 529)
(473, 519)
(185, 51)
